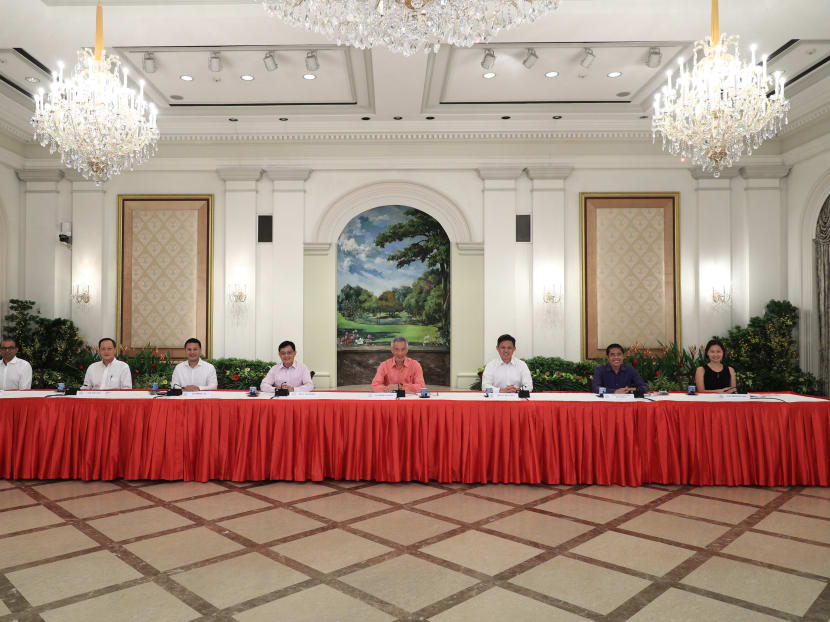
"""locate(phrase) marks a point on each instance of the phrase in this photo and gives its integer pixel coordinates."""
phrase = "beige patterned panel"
(164, 277)
(631, 301)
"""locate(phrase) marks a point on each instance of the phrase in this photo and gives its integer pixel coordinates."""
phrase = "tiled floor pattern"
(362, 552)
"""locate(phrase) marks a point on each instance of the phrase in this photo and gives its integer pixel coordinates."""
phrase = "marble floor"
(363, 552)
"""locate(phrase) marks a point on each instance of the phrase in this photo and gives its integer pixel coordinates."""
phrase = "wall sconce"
(80, 294)
(238, 293)
(552, 294)
(721, 297)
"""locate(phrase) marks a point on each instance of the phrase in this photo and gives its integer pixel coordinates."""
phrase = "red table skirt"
(749, 443)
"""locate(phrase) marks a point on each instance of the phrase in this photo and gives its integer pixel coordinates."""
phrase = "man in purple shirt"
(616, 376)
(289, 375)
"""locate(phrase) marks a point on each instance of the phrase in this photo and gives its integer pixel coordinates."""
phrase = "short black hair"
(9, 338)
(714, 342)
(103, 339)
(193, 340)
(506, 337)
(612, 346)
(287, 343)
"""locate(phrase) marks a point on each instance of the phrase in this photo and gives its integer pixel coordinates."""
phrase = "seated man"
(15, 373)
(289, 375)
(399, 371)
(108, 373)
(507, 373)
(194, 374)
(616, 376)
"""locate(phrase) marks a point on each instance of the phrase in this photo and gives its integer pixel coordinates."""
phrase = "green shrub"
(234, 373)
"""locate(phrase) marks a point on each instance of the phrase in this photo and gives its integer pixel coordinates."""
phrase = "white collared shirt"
(202, 376)
(16, 375)
(499, 374)
(101, 377)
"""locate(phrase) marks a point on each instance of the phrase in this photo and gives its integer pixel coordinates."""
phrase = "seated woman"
(715, 377)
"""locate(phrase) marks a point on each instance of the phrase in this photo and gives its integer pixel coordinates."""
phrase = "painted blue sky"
(360, 262)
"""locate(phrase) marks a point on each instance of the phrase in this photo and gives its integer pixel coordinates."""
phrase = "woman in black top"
(715, 377)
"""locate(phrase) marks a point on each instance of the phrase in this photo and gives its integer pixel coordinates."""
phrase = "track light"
(311, 62)
(489, 59)
(270, 61)
(587, 57)
(215, 62)
(655, 57)
(149, 62)
(530, 59)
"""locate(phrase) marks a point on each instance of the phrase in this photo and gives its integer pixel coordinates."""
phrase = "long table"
(554, 438)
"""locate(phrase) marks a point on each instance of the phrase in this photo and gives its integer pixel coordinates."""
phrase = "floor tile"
(462, 507)
(771, 588)
(404, 527)
(680, 606)
(173, 491)
(225, 504)
(104, 504)
(742, 494)
(712, 509)
(498, 605)
(482, 552)
(345, 483)
(291, 491)
(74, 488)
(402, 493)
(514, 493)
(409, 582)
(68, 577)
(585, 585)
(3, 609)
(331, 550)
(5, 483)
(14, 497)
(182, 548)
(317, 604)
(817, 529)
(677, 528)
(27, 518)
(139, 523)
(238, 579)
(587, 509)
(538, 527)
(806, 505)
(817, 491)
(637, 495)
(647, 556)
(811, 558)
(30, 547)
(270, 525)
(343, 507)
(135, 604)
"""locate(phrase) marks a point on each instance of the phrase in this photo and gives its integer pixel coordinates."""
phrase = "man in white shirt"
(108, 373)
(15, 373)
(506, 373)
(194, 374)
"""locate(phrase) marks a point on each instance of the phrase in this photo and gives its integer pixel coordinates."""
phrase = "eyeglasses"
(8, 347)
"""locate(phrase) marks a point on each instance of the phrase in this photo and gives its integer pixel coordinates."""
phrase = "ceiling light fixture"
(488, 75)
(246, 77)
(186, 78)
(148, 62)
(654, 58)
(309, 76)
(32, 79)
(406, 26)
(489, 59)
(269, 61)
(215, 62)
(551, 74)
(587, 57)
(312, 63)
(530, 58)
(719, 107)
(98, 124)
(614, 74)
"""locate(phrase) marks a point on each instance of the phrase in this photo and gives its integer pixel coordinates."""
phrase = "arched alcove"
(821, 266)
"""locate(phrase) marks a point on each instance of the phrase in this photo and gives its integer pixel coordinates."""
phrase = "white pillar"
(289, 232)
(766, 256)
(500, 256)
(240, 259)
(548, 236)
(41, 239)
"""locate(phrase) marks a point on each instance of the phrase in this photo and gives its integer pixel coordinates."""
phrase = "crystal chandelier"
(406, 26)
(99, 125)
(720, 106)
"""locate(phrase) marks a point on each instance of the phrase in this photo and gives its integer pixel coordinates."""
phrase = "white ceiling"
(352, 84)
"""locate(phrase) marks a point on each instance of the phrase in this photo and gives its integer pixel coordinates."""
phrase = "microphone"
(399, 392)
(524, 394)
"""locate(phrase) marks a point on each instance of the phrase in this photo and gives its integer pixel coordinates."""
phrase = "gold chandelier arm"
(99, 31)
(715, 23)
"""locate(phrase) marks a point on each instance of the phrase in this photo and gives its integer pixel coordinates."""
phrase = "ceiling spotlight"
(488, 75)
(246, 77)
(551, 74)
(32, 79)
(530, 59)
(587, 57)
(311, 62)
(215, 62)
(614, 74)
(489, 59)
(269, 61)
(655, 57)
(186, 78)
(149, 62)
(556, 117)
(309, 76)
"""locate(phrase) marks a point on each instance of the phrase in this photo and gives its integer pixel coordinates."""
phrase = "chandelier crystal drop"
(719, 107)
(405, 26)
(98, 124)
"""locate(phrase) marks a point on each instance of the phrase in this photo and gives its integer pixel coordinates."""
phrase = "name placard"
(86, 393)
(505, 396)
(302, 395)
(619, 396)
(196, 394)
(734, 397)
(382, 396)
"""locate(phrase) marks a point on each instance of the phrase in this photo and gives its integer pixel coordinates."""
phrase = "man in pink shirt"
(289, 375)
(399, 371)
